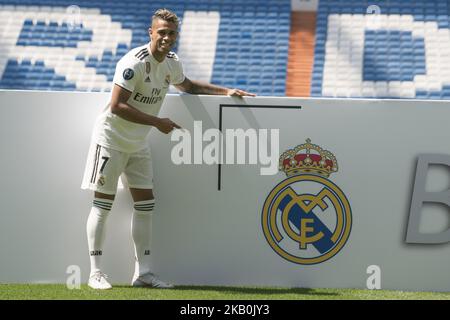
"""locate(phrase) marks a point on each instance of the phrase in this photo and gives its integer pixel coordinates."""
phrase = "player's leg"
(103, 170)
(95, 230)
(141, 227)
(139, 177)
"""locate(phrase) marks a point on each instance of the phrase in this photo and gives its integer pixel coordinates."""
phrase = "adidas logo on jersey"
(147, 79)
(142, 54)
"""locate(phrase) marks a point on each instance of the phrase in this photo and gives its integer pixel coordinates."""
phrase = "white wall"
(210, 237)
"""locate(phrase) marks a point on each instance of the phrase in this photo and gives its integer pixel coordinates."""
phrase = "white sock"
(95, 230)
(141, 227)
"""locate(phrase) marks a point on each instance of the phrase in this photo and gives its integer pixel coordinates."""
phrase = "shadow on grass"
(246, 290)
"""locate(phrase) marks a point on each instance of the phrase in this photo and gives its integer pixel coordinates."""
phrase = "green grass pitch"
(125, 292)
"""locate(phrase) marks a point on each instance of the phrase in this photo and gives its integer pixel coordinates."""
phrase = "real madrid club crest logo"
(306, 218)
(167, 80)
(101, 181)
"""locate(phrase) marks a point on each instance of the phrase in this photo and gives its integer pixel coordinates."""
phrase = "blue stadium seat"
(394, 55)
(238, 45)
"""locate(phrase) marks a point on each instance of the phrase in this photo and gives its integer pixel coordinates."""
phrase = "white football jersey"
(148, 81)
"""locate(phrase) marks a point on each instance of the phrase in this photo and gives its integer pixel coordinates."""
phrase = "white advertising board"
(230, 224)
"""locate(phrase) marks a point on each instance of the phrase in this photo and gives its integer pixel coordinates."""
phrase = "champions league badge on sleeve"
(306, 218)
(128, 74)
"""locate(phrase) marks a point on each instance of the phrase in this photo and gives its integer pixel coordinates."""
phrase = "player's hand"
(239, 93)
(165, 125)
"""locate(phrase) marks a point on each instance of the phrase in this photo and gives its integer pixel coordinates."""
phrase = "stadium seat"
(395, 52)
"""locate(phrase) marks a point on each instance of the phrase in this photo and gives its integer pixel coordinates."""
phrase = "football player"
(119, 142)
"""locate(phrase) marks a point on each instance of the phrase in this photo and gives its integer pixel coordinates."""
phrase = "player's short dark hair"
(166, 15)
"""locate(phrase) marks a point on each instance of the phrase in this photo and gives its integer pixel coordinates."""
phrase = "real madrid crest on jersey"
(101, 180)
(306, 218)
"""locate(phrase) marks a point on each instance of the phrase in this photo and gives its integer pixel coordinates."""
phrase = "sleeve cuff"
(123, 86)
(182, 79)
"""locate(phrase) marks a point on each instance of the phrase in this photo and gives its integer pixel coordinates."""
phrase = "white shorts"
(104, 166)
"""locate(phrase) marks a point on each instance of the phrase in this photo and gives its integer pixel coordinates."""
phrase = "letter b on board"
(421, 196)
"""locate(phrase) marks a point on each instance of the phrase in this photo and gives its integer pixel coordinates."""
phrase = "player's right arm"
(121, 108)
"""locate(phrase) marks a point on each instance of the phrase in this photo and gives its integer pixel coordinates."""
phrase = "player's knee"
(141, 194)
(104, 196)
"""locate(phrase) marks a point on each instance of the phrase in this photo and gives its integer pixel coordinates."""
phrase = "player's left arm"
(198, 87)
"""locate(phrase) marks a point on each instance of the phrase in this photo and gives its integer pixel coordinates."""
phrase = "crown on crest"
(308, 158)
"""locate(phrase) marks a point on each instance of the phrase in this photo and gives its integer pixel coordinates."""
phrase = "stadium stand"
(402, 52)
(342, 50)
(236, 43)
